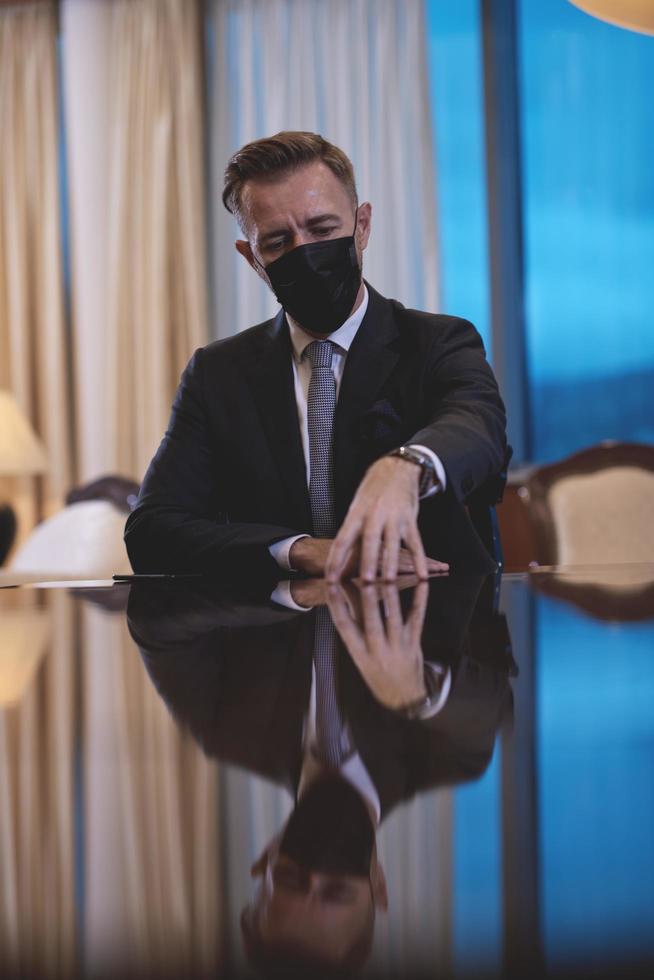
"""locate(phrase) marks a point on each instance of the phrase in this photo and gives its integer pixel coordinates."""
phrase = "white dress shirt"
(352, 769)
(342, 340)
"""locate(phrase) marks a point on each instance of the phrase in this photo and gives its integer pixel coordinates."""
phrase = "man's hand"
(383, 514)
(386, 652)
(309, 555)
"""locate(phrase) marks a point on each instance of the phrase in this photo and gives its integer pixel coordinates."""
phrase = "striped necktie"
(321, 404)
(332, 745)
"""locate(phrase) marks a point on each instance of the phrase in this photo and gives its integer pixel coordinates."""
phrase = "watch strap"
(428, 478)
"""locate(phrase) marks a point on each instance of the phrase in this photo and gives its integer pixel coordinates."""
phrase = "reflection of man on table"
(348, 746)
(343, 436)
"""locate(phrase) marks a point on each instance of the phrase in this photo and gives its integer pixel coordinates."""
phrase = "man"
(343, 435)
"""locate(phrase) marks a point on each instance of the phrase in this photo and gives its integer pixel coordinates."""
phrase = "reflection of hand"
(387, 654)
(309, 592)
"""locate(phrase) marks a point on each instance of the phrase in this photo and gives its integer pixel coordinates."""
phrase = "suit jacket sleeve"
(179, 523)
(466, 417)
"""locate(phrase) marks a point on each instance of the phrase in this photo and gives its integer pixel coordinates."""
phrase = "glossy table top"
(454, 779)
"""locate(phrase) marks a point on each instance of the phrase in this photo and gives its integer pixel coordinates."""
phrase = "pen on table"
(157, 576)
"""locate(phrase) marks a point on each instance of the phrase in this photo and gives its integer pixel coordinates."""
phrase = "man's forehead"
(298, 195)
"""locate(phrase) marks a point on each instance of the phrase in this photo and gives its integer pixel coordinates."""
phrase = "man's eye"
(323, 232)
(338, 893)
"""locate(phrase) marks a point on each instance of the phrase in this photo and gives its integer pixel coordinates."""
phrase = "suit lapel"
(270, 373)
(370, 361)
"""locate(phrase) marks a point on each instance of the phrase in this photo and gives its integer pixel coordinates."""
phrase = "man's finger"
(346, 626)
(434, 565)
(372, 540)
(416, 618)
(405, 562)
(414, 544)
(352, 597)
(340, 549)
(391, 553)
(394, 621)
(373, 625)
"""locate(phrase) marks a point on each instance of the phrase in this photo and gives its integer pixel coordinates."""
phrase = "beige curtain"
(38, 921)
(157, 265)
(33, 339)
(37, 910)
(153, 863)
(149, 805)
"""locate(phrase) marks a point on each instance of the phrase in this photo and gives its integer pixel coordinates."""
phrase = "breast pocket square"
(380, 421)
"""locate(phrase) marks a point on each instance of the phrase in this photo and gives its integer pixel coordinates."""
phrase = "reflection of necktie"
(321, 403)
(332, 742)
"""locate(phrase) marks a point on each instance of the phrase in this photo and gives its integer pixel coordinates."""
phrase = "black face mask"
(317, 284)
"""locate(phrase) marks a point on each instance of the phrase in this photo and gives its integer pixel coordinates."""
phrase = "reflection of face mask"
(317, 284)
(330, 830)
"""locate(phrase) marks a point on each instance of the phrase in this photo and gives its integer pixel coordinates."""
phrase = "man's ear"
(244, 249)
(364, 224)
(259, 866)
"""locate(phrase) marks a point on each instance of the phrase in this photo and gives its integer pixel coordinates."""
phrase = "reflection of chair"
(619, 593)
(594, 507)
(7, 530)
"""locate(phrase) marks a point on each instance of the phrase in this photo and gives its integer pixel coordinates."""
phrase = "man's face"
(309, 204)
(321, 912)
(321, 880)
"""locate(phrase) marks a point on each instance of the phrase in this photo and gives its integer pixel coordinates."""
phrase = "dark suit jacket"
(229, 476)
(243, 690)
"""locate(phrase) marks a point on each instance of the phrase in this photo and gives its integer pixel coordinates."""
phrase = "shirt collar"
(342, 337)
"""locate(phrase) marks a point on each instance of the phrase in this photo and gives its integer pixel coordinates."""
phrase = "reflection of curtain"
(33, 343)
(157, 269)
(355, 71)
(415, 849)
(254, 811)
(37, 876)
(153, 873)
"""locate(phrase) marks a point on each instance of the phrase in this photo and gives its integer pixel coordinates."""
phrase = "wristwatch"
(437, 689)
(428, 478)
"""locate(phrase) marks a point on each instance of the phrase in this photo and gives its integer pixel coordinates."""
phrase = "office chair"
(481, 508)
(595, 507)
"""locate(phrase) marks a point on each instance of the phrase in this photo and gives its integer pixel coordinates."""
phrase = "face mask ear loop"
(354, 237)
(261, 268)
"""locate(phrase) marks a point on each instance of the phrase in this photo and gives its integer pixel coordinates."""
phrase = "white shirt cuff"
(437, 705)
(280, 551)
(438, 466)
(283, 596)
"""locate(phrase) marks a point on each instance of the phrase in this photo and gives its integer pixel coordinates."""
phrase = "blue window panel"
(456, 70)
(588, 146)
(595, 739)
(477, 932)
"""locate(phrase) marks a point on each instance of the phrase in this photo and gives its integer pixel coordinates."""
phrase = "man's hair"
(275, 157)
